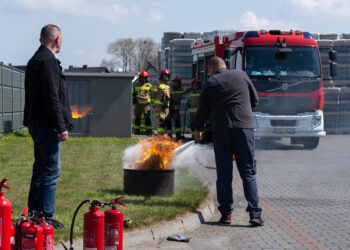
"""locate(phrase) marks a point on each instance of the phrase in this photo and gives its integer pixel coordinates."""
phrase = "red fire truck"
(285, 68)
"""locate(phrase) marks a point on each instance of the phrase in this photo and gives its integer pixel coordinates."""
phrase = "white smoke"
(197, 154)
(193, 156)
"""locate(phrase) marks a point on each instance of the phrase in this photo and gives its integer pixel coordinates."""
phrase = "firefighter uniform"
(176, 93)
(142, 102)
(193, 103)
(161, 102)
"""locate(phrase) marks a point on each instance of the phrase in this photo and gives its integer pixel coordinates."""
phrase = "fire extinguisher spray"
(5, 218)
(114, 224)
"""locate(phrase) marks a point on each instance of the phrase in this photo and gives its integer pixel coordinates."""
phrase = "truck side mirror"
(333, 69)
(332, 55)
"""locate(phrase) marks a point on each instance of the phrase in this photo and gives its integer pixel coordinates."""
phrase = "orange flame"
(79, 112)
(156, 152)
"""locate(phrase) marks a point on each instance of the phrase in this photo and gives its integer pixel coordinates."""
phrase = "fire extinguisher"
(29, 235)
(48, 234)
(114, 224)
(94, 222)
(5, 218)
(13, 240)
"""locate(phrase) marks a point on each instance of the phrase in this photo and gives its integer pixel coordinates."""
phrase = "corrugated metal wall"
(11, 98)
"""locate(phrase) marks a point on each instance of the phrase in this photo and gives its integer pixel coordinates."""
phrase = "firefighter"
(161, 100)
(176, 93)
(142, 103)
(193, 102)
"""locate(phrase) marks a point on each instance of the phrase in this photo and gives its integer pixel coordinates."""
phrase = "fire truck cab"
(285, 68)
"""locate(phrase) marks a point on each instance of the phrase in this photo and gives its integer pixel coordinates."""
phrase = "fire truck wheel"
(311, 142)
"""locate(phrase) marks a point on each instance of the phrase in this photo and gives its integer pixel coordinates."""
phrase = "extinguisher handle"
(116, 201)
(2, 183)
(25, 211)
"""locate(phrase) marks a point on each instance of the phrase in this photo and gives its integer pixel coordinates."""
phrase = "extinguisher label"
(110, 248)
(112, 235)
(89, 248)
(48, 242)
(28, 244)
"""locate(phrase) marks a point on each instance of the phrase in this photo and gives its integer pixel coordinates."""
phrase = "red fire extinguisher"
(31, 236)
(13, 240)
(94, 223)
(114, 224)
(48, 234)
(5, 218)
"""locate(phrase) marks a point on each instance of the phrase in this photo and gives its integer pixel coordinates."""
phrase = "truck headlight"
(316, 121)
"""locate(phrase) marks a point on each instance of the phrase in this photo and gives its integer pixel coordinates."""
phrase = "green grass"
(92, 169)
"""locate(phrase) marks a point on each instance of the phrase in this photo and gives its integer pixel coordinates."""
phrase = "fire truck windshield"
(267, 61)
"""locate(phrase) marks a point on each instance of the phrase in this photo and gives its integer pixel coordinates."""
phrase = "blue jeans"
(46, 170)
(239, 142)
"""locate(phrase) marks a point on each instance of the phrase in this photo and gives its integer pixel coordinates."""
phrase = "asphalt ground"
(305, 195)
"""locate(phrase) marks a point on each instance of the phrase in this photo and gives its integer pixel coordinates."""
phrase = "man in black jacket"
(48, 116)
(227, 101)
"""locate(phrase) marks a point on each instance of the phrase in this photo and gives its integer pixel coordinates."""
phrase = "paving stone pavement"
(304, 195)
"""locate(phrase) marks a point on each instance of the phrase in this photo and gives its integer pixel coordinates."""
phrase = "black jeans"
(239, 142)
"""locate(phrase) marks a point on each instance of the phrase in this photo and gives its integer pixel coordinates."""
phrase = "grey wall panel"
(7, 123)
(17, 100)
(0, 98)
(7, 76)
(17, 121)
(16, 79)
(1, 124)
(112, 107)
(7, 99)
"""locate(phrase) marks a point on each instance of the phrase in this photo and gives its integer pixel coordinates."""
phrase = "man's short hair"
(216, 62)
(48, 33)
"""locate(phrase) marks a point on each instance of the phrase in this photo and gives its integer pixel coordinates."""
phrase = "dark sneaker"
(55, 223)
(225, 219)
(256, 222)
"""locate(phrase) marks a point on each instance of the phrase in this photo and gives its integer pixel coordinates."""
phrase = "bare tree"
(145, 51)
(133, 54)
(125, 50)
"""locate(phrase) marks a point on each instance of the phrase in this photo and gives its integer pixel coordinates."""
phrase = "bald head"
(215, 63)
(50, 36)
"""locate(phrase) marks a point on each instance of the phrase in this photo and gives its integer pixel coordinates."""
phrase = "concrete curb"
(178, 226)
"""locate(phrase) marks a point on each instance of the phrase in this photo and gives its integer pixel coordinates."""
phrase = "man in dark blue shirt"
(227, 101)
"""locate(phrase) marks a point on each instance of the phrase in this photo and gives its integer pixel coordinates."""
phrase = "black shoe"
(256, 222)
(225, 219)
(55, 223)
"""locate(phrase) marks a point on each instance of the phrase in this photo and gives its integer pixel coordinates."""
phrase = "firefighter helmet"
(165, 71)
(196, 80)
(144, 74)
(176, 78)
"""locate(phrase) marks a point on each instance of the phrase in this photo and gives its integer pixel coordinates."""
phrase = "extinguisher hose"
(72, 225)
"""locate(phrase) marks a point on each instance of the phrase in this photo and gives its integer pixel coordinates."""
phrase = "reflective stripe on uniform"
(163, 86)
(143, 101)
(176, 107)
(192, 95)
(177, 130)
(147, 88)
(193, 110)
(177, 92)
(160, 130)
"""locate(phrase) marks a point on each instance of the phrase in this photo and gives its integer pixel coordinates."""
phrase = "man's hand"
(198, 136)
(63, 136)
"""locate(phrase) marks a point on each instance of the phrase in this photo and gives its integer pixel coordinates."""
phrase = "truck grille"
(277, 105)
(283, 123)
